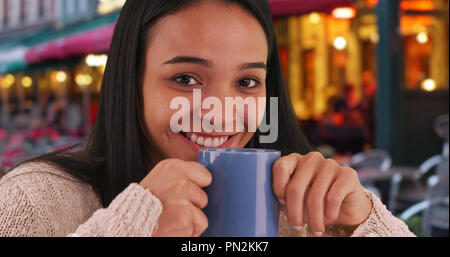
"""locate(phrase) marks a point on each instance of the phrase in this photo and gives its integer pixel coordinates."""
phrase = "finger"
(316, 198)
(195, 195)
(197, 173)
(175, 219)
(341, 187)
(297, 187)
(282, 170)
(200, 221)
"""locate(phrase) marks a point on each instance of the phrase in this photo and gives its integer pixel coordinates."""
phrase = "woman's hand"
(178, 185)
(318, 192)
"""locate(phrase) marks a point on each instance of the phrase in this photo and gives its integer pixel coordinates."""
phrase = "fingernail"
(298, 228)
(318, 233)
(282, 201)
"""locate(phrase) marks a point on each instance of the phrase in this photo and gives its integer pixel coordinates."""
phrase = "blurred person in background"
(55, 112)
(369, 87)
(353, 112)
(336, 110)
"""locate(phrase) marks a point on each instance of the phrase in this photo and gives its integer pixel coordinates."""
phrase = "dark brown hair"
(114, 155)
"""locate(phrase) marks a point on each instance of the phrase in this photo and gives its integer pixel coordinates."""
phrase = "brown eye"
(249, 83)
(186, 80)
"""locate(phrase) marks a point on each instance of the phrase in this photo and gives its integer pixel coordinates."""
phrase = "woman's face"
(216, 47)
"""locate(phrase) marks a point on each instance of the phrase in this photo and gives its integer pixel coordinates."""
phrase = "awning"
(93, 41)
(12, 67)
(12, 60)
(93, 36)
(291, 7)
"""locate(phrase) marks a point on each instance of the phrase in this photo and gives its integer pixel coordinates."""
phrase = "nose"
(212, 110)
(225, 110)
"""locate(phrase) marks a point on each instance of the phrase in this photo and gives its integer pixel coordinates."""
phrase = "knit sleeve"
(18, 215)
(381, 222)
(133, 213)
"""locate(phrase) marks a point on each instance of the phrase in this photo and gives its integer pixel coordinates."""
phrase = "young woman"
(136, 177)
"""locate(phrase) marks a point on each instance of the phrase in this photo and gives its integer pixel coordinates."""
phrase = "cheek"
(156, 110)
(254, 116)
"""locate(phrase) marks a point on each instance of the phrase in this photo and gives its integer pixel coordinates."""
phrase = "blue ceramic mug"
(241, 202)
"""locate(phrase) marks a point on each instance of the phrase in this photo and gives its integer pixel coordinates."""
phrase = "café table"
(369, 176)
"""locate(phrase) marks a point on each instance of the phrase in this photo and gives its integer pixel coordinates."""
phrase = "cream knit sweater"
(38, 199)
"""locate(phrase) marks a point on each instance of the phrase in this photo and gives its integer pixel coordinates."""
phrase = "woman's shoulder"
(36, 169)
(56, 200)
(39, 177)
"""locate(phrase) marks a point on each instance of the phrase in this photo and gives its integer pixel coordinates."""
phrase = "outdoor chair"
(434, 209)
(377, 160)
(409, 189)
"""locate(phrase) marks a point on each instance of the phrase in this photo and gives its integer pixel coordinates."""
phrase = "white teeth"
(200, 140)
(210, 142)
(194, 137)
(215, 142)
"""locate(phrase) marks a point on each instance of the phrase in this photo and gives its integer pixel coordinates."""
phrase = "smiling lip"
(199, 141)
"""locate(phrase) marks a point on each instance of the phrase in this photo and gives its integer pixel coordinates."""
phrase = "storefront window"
(426, 57)
(330, 59)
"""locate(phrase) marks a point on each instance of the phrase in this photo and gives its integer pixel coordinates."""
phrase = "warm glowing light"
(61, 76)
(83, 80)
(102, 69)
(314, 18)
(27, 82)
(344, 13)
(408, 5)
(8, 81)
(108, 6)
(340, 43)
(96, 60)
(418, 5)
(375, 37)
(371, 3)
(422, 38)
(429, 85)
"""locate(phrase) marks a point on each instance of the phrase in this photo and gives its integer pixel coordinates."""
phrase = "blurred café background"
(368, 80)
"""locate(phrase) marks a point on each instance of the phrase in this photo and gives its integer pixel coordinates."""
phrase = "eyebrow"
(189, 59)
(253, 65)
(208, 64)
